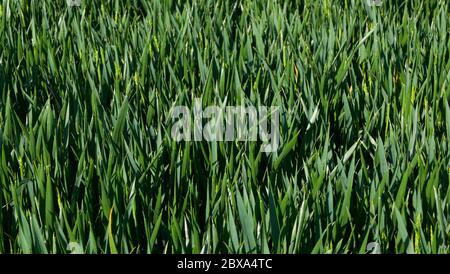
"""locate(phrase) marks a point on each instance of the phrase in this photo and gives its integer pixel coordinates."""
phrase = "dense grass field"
(87, 162)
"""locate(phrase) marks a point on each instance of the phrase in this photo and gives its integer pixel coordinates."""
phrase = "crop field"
(88, 163)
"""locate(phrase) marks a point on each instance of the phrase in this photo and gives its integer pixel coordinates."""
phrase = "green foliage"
(86, 155)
